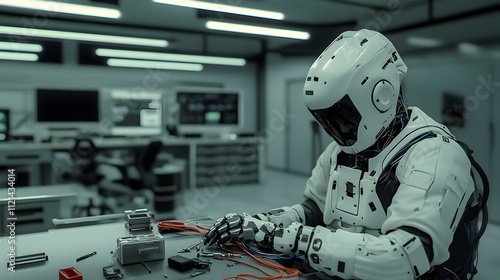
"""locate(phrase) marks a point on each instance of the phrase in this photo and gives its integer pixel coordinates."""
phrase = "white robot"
(386, 199)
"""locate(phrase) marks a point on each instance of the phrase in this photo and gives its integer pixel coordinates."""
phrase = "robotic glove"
(238, 228)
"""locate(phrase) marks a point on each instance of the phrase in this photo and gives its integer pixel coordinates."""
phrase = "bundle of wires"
(244, 276)
(181, 226)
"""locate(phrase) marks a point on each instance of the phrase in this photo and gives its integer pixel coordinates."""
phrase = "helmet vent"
(333, 57)
(309, 92)
(386, 63)
(316, 79)
(394, 56)
(363, 42)
(364, 81)
(308, 78)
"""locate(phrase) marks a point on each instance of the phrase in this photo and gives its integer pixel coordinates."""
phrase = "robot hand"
(236, 227)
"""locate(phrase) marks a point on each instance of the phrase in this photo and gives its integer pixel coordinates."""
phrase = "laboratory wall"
(431, 76)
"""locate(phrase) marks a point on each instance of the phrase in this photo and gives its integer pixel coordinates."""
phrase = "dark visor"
(340, 121)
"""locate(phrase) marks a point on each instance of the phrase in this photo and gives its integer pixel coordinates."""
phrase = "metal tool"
(218, 255)
(86, 256)
(189, 248)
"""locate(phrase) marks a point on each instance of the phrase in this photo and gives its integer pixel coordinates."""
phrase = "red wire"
(280, 268)
(173, 225)
(179, 226)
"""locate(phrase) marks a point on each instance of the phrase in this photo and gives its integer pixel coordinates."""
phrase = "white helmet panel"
(352, 88)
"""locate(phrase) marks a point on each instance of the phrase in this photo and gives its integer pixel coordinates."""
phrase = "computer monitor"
(67, 108)
(134, 113)
(209, 110)
(4, 125)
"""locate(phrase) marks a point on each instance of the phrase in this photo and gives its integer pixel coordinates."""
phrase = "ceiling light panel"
(217, 7)
(423, 42)
(18, 56)
(65, 35)
(171, 57)
(64, 8)
(20, 47)
(154, 64)
(61, 7)
(257, 30)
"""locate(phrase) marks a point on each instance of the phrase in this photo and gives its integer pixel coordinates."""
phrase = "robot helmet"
(352, 88)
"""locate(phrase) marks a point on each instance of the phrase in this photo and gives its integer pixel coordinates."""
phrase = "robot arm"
(397, 255)
(260, 228)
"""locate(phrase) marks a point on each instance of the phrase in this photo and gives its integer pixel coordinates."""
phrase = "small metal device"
(140, 248)
(138, 220)
(189, 248)
(218, 255)
(28, 259)
(86, 256)
(112, 272)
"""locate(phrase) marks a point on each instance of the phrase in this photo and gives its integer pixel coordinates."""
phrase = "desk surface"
(64, 246)
(39, 193)
(122, 142)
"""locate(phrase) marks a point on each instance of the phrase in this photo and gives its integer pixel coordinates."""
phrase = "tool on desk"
(189, 248)
(180, 263)
(147, 267)
(218, 255)
(112, 272)
(197, 273)
(139, 219)
(70, 274)
(28, 259)
(140, 248)
(86, 256)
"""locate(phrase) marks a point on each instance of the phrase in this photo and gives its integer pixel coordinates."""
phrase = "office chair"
(83, 155)
(137, 177)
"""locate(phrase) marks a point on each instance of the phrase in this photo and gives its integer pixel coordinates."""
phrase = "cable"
(179, 226)
(268, 276)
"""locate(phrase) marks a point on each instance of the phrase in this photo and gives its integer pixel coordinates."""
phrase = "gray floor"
(280, 189)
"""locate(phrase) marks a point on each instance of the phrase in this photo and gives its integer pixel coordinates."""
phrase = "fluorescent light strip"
(257, 30)
(18, 56)
(115, 62)
(65, 8)
(171, 57)
(20, 47)
(44, 33)
(424, 42)
(231, 9)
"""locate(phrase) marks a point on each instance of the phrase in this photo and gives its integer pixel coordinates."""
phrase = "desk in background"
(210, 161)
(35, 207)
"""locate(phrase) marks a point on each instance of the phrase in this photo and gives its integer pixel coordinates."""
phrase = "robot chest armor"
(352, 199)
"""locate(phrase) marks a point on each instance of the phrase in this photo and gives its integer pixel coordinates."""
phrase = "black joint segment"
(364, 81)
(341, 267)
(372, 206)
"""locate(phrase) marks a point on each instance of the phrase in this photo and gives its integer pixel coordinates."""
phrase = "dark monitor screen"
(66, 106)
(208, 108)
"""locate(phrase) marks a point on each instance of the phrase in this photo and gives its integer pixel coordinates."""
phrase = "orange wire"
(172, 225)
(282, 269)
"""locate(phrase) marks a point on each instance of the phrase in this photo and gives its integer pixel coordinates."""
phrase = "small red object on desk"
(70, 273)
